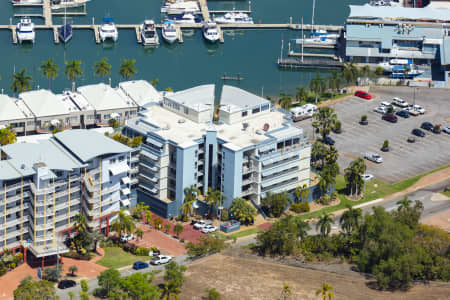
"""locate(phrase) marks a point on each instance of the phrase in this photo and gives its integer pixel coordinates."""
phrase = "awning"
(115, 116)
(54, 122)
(125, 191)
(155, 143)
(126, 180)
(125, 202)
(150, 155)
(119, 168)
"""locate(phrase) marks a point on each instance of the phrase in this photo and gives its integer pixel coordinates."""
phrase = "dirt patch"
(253, 278)
(441, 220)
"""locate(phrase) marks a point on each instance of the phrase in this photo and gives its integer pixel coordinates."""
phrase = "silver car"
(372, 156)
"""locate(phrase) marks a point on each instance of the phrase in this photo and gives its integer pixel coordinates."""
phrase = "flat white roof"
(394, 12)
(9, 110)
(103, 97)
(140, 91)
(199, 98)
(44, 103)
(234, 99)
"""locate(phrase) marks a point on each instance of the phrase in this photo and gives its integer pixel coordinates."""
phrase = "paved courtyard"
(405, 159)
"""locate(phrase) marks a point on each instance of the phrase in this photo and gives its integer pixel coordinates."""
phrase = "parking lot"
(405, 159)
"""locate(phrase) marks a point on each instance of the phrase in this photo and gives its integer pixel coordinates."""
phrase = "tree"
(301, 94)
(351, 219)
(21, 82)
(365, 72)
(318, 153)
(127, 68)
(154, 82)
(72, 270)
(139, 209)
(52, 274)
(404, 204)
(325, 291)
(213, 294)
(242, 211)
(285, 101)
(334, 81)
(139, 233)
(167, 227)
(157, 223)
(49, 70)
(30, 289)
(324, 120)
(317, 85)
(190, 196)
(178, 229)
(174, 278)
(84, 285)
(148, 216)
(109, 280)
(350, 73)
(102, 68)
(7, 136)
(138, 287)
(286, 292)
(71, 295)
(170, 291)
(207, 244)
(124, 223)
(324, 224)
(73, 70)
(80, 224)
(275, 204)
(302, 193)
(214, 198)
(352, 175)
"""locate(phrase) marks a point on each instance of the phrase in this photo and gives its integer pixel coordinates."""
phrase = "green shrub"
(142, 251)
(225, 216)
(300, 207)
(2, 271)
(324, 199)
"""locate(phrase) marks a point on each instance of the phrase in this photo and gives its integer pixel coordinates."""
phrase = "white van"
(399, 102)
(298, 114)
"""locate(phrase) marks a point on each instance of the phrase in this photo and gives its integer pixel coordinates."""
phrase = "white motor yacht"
(61, 4)
(26, 1)
(169, 31)
(181, 7)
(148, 33)
(25, 30)
(186, 19)
(108, 30)
(210, 32)
(234, 18)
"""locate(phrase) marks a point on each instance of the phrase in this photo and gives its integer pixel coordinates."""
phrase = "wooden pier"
(14, 34)
(296, 63)
(47, 12)
(219, 30)
(321, 55)
(179, 35)
(55, 34)
(204, 9)
(138, 35)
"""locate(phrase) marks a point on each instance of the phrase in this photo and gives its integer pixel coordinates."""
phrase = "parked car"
(161, 259)
(209, 229)
(200, 224)
(140, 265)
(403, 113)
(427, 126)
(412, 111)
(399, 102)
(390, 118)
(362, 94)
(446, 129)
(367, 177)
(372, 156)
(418, 132)
(66, 283)
(380, 109)
(126, 238)
(418, 108)
(328, 140)
(385, 104)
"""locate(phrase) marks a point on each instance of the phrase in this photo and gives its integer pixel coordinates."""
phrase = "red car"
(364, 95)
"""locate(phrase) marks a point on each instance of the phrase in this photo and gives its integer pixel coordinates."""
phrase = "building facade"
(251, 150)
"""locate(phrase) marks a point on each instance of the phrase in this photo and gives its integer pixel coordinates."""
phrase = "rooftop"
(44, 103)
(399, 13)
(9, 110)
(87, 144)
(199, 98)
(13, 169)
(234, 99)
(78, 100)
(103, 97)
(140, 91)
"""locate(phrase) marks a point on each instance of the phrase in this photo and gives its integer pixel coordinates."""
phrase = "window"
(265, 107)
(244, 113)
(121, 158)
(30, 123)
(112, 161)
(91, 117)
(256, 110)
(186, 110)
(106, 117)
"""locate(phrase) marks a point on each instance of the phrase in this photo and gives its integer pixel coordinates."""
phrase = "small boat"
(322, 32)
(210, 32)
(148, 33)
(388, 66)
(60, 4)
(26, 1)
(169, 31)
(108, 30)
(319, 40)
(65, 31)
(181, 7)
(25, 30)
(186, 19)
(404, 72)
(234, 18)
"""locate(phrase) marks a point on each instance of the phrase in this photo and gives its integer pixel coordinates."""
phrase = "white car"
(446, 129)
(419, 109)
(380, 109)
(367, 177)
(200, 224)
(400, 102)
(385, 104)
(209, 229)
(372, 156)
(161, 259)
(126, 238)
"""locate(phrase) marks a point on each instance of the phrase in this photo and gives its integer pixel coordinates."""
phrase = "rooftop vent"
(266, 127)
(22, 166)
(181, 121)
(244, 126)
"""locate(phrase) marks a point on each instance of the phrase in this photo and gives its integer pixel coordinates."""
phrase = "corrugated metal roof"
(393, 12)
(103, 97)
(140, 91)
(9, 110)
(44, 103)
(234, 99)
(199, 98)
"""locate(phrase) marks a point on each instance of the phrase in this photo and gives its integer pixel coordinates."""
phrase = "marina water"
(250, 53)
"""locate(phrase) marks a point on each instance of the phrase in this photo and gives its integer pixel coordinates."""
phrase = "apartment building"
(252, 150)
(46, 183)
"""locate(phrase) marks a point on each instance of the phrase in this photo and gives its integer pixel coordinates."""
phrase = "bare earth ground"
(245, 276)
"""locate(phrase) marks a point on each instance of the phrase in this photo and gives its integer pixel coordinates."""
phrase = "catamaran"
(108, 30)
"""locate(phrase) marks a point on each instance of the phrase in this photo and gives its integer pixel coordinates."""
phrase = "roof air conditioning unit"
(181, 121)
(244, 126)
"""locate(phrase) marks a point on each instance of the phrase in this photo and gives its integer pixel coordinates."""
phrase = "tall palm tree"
(285, 101)
(352, 175)
(301, 193)
(324, 224)
(332, 155)
(214, 198)
(317, 85)
(318, 152)
(302, 228)
(350, 219)
(73, 70)
(49, 70)
(350, 72)
(102, 68)
(21, 82)
(325, 291)
(124, 223)
(80, 224)
(170, 291)
(127, 68)
(139, 233)
(301, 94)
(190, 196)
(334, 82)
(324, 118)
(403, 204)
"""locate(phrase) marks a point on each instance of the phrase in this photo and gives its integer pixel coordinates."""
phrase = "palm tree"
(350, 219)
(301, 193)
(332, 155)
(352, 175)
(170, 291)
(73, 70)
(127, 69)
(190, 196)
(148, 216)
(325, 291)
(123, 223)
(154, 82)
(324, 118)
(139, 233)
(49, 70)
(301, 94)
(350, 72)
(21, 82)
(178, 229)
(324, 224)
(318, 152)
(7, 136)
(302, 228)
(334, 82)
(285, 101)
(102, 68)
(72, 270)
(404, 204)
(365, 72)
(214, 198)
(317, 85)
(80, 223)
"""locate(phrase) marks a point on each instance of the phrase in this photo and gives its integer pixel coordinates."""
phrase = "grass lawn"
(115, 258)
(244, 233)
(446, 193)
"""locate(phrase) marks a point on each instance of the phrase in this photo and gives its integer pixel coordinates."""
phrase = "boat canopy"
(168, 22)
(107, 20)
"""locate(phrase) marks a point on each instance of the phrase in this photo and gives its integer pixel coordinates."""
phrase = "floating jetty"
(296, 63)
(235, 78)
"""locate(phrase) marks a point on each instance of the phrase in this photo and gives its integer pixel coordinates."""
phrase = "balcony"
(249, 180)
(249, 191)
(38, 192)
(14, 186)
(280, 176)
(153, 179)
(282, 186)
(14, 222)
(249, 169)
(151, 190)
(150, 166)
